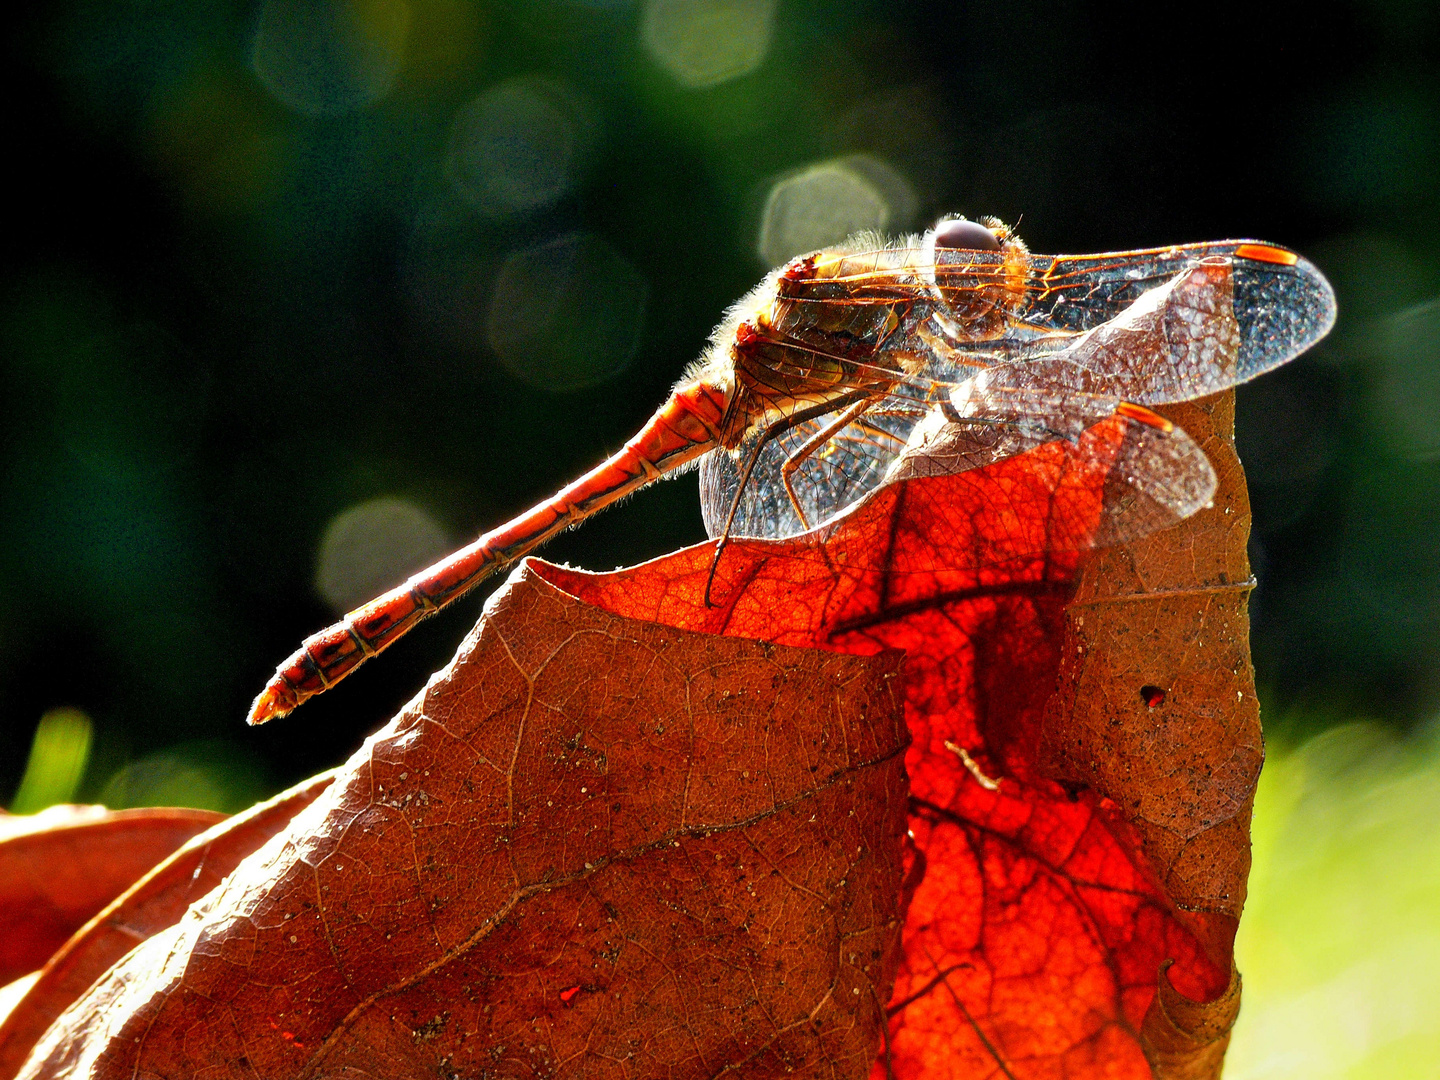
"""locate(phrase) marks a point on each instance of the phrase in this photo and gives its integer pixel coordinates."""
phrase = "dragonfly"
(832, 377)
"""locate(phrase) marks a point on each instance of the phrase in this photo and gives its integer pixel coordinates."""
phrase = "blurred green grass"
(56, 765)
(1339, 946)
(203, 774)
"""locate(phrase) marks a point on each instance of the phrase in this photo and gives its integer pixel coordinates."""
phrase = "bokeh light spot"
(222, 135)
(374, 546)
(515, 147)
(329, 57)
(444, 41)
(707, 42)
(825, 203)
(567, 313)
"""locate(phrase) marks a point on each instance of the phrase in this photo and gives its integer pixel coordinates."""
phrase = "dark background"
(259, 259)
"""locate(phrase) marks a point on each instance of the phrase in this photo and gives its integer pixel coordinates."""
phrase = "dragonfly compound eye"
(962, 233)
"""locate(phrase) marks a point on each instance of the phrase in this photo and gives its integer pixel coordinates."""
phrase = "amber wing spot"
(1142, 415)
(1266, 253)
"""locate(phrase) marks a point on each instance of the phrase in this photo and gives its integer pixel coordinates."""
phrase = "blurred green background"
(300, 293)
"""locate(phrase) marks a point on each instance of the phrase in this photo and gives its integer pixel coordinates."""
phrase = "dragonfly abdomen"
(686, 426)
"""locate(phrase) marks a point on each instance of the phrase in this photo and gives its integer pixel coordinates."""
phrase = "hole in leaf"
(1153, 696)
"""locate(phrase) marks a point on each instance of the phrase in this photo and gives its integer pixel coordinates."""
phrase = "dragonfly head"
(977, 270)
(967, 235)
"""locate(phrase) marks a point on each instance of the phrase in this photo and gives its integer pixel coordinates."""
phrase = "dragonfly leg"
(842, 420)
(778, 428)
(724, 539)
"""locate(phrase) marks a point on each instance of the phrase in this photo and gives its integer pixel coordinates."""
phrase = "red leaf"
(155, 902)
(1118, 838)
(700, 833)
(549, 862)
(59, 867)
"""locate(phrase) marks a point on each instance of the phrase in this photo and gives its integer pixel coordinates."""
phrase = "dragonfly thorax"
(843, 324)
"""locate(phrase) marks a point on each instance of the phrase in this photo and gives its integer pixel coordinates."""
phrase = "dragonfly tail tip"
(270, 703)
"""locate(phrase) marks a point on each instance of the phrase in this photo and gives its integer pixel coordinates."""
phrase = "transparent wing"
(1283, 304)
(1216, 323)
(1278, 303)
(1156, 478)
(828, 482)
